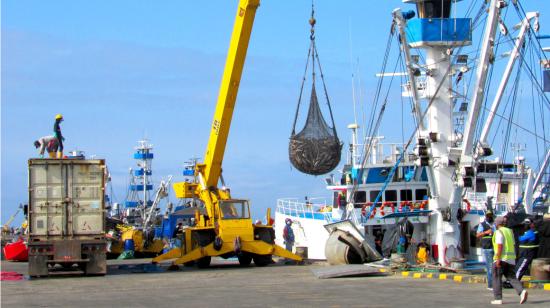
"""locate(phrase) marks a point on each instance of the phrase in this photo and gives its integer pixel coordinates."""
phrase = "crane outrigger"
(226, 229)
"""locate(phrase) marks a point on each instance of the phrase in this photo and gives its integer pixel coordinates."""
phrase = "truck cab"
(235, 220)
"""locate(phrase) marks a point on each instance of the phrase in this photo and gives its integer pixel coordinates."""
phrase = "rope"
(301, 92)
(314, 56)
(325, 89)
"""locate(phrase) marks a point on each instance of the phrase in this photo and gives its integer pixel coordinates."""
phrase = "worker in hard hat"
(58, 135)
(48, 143)
(288, 234)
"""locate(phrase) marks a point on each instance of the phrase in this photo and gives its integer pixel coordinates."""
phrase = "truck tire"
(204, 262)
(262, 260)
(244, 259)
(265, 235)
(189, 264)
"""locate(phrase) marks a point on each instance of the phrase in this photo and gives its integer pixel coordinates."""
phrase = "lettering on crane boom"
(216, 127)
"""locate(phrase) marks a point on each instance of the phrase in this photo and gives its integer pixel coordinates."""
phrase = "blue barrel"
(129, 245)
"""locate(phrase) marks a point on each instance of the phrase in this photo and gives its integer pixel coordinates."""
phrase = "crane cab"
(234, 220)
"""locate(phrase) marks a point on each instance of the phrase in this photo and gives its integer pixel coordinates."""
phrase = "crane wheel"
(262, 260)
(204, 262)
(244, 260)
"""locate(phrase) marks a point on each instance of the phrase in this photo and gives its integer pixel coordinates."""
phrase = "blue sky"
(123, 70)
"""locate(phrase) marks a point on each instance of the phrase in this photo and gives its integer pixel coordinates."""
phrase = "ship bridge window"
(391, 195)
(481, 185)
(420, 194)
(434, 8)
(406, 194)
(359, 198)
(504, 188)
(373, 194)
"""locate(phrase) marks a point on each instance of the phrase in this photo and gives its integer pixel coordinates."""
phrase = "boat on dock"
(440, 183)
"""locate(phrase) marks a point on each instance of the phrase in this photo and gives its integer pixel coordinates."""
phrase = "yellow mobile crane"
(226, 229)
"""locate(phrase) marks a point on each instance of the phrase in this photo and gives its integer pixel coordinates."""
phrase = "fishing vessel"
(139, 226)
(445, 185)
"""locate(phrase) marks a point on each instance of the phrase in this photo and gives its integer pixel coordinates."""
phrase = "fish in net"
(316, 149)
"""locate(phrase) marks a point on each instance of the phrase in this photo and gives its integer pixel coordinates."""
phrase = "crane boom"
(226, 229)
(228, 91)
(6, 226)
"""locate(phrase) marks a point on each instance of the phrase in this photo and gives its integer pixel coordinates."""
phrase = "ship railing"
(380, 152)
(477, 201)
(313, 208)
(392, 206)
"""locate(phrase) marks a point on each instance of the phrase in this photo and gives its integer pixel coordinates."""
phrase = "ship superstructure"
(445, 186)
(141, 184)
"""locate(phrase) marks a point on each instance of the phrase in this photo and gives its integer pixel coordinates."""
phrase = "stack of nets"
(316, 149)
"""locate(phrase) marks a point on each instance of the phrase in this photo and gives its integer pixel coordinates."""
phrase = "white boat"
(446, 185)
(403, 197)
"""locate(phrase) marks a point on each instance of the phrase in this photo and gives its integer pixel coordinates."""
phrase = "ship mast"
(437, 34)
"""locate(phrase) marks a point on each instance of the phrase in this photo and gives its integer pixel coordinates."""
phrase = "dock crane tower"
(226, 229)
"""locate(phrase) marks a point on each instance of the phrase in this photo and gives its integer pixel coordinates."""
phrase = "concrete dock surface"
(228, 285)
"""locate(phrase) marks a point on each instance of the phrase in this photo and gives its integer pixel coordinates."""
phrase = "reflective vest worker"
(48, 143)
(485, 232)
(504, 261)
(528, 248)
(58, 135)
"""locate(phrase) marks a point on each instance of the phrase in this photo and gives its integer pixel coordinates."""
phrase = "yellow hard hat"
(59, 116)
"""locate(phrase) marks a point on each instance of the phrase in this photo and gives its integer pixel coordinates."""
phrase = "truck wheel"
(204, 262)
(262, 260)
(244, 260)
(266, 235)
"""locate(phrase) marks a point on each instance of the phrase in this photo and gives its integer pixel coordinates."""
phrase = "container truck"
(66, 217)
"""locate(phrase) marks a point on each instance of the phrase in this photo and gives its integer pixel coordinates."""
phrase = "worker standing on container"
(504, 261)
(58, 135)
(528, 248)
(48, 143)
(485, 231)
(288, 235)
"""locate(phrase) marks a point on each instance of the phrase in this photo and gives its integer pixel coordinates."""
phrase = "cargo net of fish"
(316, 149)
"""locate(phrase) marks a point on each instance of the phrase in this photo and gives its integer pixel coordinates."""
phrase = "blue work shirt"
(528, 236)
(481, 229)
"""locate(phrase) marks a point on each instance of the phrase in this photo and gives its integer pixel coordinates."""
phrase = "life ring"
(364, 210)
(382, 209)
(423, 204)
(404, 205)
(373, 212)
(468, 205)
(445, 260)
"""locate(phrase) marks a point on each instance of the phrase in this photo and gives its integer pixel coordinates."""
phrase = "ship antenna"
(353, 98)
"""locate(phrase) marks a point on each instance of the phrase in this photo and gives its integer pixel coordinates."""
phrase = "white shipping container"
(66, 197)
